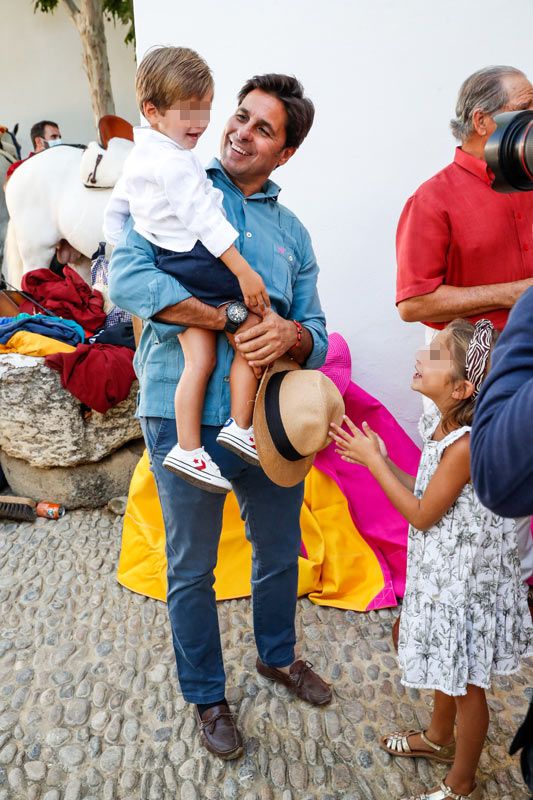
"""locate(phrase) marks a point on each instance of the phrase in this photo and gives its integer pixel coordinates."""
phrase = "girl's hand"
(358, 447)
(382, 445)
(254, 290)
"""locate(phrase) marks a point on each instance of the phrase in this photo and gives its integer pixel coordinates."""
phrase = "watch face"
(237, 313)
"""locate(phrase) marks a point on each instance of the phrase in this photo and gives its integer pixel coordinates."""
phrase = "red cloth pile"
(68, 297)
(99, 375)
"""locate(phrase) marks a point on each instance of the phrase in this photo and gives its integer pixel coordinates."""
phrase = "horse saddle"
(101, 165)
(101, 169)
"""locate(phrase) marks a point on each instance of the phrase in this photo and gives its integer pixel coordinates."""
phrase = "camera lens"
(509, 152)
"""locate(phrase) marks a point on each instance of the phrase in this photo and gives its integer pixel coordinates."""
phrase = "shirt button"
(226, 378)
(291, 258)
(248, 235)
(526, 247)
(519, 216)
(245, 202)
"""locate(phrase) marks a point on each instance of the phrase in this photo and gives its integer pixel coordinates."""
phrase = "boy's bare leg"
(199, 353)
(243, 387)
(243, 382)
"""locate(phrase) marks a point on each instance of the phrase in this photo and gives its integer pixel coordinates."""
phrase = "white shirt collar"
(144, 133)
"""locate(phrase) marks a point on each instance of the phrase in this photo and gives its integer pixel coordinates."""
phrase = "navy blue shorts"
(207, 278)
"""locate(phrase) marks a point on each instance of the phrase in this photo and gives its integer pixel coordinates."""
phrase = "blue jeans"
(193, 522)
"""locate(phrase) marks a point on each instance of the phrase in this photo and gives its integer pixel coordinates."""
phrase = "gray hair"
(482, 91)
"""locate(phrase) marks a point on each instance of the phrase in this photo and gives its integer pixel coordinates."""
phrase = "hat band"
(277, 431)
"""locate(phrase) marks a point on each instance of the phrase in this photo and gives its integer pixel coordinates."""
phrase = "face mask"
(53, 142)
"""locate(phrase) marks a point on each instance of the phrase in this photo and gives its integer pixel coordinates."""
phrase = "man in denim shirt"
(271, 121)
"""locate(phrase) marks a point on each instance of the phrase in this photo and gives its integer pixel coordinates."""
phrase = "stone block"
(43, 424)
(84, 486)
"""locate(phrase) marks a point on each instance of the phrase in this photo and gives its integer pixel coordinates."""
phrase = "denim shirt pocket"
(283, 267)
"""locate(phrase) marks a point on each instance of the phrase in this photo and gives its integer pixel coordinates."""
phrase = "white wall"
(384, 76)
(43, 77)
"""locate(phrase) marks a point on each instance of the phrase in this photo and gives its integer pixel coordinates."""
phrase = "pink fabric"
(338, 366)
(382, 527)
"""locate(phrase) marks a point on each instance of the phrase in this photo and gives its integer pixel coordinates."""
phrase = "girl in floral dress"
(465, 614)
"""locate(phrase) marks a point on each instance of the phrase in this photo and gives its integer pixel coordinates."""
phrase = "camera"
(509, 152)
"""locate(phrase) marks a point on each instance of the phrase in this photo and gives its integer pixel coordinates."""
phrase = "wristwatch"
(236, 314)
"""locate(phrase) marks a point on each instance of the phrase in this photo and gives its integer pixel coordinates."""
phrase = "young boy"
(175, 207)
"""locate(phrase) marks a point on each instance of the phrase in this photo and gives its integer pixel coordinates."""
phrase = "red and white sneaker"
(239, 440)
(197, 467)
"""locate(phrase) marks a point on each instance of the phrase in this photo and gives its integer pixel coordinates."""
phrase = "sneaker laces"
(209, 725)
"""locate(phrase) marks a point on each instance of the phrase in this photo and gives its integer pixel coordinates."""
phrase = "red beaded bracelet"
(299, 331)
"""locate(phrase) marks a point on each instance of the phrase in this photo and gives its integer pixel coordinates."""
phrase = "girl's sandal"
(444, 792)
(397, 745)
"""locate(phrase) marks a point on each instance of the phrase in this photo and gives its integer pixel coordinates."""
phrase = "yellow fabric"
(341, 569)
(34, 344)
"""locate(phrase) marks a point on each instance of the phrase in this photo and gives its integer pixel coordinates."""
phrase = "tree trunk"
(88, 17)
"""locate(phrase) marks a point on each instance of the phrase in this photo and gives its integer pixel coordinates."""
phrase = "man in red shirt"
(44, 134)
(464, 250)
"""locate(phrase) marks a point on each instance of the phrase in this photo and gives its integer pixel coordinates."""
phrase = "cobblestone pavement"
(90, 709)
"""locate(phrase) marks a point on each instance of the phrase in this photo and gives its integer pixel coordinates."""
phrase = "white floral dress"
(465, 612)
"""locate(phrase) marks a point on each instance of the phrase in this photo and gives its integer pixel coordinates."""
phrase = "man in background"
(44, 134)
(464, 250)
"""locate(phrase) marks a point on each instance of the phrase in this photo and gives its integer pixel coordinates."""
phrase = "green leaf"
(47, 6)
(113, 10)
(119, 11)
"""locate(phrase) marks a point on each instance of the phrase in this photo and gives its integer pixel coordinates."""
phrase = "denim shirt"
(277, 246)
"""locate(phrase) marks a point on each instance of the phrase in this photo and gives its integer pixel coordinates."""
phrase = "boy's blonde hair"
(167, 75)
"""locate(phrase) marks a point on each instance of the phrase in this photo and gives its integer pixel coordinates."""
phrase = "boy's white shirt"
(172, 201)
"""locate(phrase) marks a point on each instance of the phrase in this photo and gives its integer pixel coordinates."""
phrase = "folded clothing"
(120, 334)
(98, 375)
(65, 330)
(33, 344)
(66, 296)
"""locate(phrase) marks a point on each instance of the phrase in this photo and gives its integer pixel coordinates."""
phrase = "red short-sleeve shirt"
(457, 230)
(16, 164)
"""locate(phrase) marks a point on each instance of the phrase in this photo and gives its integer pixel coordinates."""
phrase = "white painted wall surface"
(384, 77)
(43, 76)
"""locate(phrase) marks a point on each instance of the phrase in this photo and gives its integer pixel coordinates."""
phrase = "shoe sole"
(194, 480)
(229, 443)
(224, 756)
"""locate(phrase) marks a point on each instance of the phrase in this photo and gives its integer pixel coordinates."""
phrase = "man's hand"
(271, 338)
(268, 340)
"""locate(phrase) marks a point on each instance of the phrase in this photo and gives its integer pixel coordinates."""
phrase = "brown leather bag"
(10, 302)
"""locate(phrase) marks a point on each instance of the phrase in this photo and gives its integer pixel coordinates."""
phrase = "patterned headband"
(478, 353)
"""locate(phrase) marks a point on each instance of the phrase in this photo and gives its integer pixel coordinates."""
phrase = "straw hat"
(292, 413)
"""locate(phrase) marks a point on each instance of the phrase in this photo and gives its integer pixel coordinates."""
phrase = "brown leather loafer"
(301, 681)
(219, 733)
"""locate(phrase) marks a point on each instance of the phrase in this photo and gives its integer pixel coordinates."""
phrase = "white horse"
(48, 200)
